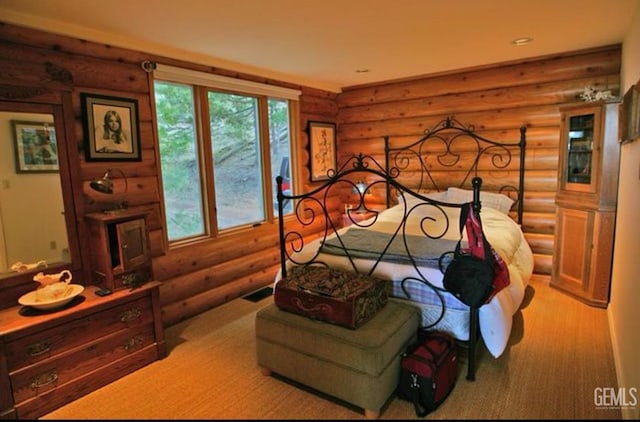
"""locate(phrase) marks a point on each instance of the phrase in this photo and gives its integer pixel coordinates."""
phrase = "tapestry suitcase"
(336, 296)
(428, 371)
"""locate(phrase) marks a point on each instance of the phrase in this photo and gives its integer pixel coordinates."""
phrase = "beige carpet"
(559, 353)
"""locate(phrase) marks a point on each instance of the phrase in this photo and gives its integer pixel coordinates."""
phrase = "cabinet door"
(573, 250)
(581, 144)
(133, 243)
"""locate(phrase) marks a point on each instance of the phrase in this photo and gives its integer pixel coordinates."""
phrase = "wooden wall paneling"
(157, 245)
(182, 260)
(196, 282)
(541, 201)
(178, 311)
(68, 45)
(323, 106)
(115, 72)
(542, 264)
(545, 115)
(584, 64)
(89, 71)
(540, 242)
(537, 137)
(23, 74)
(495, 99)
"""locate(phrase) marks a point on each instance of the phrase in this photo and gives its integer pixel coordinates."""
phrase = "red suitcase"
(336, 296)
(428, 371)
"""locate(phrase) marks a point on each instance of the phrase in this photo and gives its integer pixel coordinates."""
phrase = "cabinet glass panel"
(580, 149)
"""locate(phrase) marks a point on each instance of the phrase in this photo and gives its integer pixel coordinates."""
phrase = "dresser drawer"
(50, 373)
(58, 339)
(53, 398)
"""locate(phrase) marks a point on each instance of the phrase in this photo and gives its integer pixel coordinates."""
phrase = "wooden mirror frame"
(59, 104)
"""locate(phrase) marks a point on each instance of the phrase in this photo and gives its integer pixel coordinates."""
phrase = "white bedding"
(495, 318)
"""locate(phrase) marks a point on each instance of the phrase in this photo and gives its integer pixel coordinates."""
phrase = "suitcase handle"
(415, 397)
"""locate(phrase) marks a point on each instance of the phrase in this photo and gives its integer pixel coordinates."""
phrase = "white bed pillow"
(497, 201)
(412, 200)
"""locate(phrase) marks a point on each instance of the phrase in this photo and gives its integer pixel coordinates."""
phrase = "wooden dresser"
(51, 358)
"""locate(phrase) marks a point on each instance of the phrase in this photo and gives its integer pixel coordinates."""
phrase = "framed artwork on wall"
(110, 128)
(322, 150)
(630, 116)
(35, 146)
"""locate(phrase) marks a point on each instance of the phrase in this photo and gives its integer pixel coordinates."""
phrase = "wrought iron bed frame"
(312, 206)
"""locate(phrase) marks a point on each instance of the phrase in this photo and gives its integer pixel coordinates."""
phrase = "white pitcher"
(51, 286)
(46, 279)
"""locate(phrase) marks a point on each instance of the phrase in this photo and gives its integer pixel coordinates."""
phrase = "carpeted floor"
(559, 353)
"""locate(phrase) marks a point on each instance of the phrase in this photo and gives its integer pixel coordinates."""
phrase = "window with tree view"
(220, 153)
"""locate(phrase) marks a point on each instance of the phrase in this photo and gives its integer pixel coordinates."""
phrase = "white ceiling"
(321, 43)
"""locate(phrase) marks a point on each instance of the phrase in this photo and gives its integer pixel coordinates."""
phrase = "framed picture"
(110, 128)
(630, 117)
(35, 146)
(322, 149)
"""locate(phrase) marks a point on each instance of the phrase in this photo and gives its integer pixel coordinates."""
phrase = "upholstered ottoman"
(358, 366)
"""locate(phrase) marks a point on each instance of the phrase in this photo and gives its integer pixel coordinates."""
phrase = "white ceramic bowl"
(30, 299)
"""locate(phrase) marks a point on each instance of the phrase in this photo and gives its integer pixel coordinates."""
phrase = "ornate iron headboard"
(446, 143)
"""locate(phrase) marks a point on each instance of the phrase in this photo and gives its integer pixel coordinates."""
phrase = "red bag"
(428, 371)
(478, 247)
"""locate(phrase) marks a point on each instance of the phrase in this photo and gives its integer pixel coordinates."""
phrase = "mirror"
(37, 215)
(33, 234)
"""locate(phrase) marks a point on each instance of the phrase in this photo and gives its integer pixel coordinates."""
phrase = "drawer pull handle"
(130, 315)
(38, 349)
(44, 379)
(132, 343)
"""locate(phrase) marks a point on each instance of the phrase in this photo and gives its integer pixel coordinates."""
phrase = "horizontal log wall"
(197, 277)
(496, 100)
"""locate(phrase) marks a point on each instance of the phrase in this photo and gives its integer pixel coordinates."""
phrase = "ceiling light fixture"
(522, 41)
(362, 70)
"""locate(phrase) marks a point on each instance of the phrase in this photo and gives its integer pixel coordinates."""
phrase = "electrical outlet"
(53, 245)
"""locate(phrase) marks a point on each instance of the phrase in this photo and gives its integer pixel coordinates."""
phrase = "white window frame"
(174, 74)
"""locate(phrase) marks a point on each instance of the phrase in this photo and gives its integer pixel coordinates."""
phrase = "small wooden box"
(120, 256)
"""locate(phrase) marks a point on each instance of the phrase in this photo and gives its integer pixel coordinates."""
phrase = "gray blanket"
(368, 244)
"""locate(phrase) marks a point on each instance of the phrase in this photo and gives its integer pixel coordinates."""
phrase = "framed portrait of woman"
(110, 128)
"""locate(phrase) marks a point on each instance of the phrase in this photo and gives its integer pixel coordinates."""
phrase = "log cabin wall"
(496, 100)
(195, 278)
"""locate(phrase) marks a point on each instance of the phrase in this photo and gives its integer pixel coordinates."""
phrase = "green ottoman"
(358, 366)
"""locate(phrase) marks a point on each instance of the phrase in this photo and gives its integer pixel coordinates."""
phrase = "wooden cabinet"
(119, 249)
(586, 201)
(51, 358)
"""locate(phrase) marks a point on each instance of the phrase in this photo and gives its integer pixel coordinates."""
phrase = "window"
(222, 143)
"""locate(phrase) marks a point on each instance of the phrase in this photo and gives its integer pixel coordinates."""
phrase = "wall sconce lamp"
(361, 189)
(105, 185)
